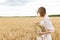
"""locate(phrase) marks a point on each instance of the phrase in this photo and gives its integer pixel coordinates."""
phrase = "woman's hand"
(35, 22)
(39, 32)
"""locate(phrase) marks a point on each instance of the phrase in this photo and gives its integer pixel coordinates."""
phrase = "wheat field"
(22, 28)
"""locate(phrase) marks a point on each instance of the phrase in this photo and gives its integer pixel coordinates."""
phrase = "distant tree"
(54, 15)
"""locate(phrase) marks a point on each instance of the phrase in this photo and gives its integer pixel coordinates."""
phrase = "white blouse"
(47, 23)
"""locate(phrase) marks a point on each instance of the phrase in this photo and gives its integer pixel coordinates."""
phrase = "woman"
(46, 23)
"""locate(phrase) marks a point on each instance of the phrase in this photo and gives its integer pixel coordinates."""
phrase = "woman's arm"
(42, 33)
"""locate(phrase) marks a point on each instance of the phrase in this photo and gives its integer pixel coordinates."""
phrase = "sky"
(28, 7)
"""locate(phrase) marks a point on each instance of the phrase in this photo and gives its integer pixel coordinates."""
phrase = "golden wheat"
(23, 28)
